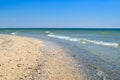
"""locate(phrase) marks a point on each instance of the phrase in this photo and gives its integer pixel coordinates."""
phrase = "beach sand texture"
(23, 58)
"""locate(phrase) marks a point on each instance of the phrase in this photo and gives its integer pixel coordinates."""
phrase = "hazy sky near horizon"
(60, 13)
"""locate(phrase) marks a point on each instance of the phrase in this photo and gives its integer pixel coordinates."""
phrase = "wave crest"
(84, 41)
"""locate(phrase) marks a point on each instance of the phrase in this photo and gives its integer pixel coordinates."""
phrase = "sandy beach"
(23, 58)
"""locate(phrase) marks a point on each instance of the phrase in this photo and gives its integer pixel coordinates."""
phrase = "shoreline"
(24, 58)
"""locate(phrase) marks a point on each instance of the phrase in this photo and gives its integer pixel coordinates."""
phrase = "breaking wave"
(84, 41)
(14, 33)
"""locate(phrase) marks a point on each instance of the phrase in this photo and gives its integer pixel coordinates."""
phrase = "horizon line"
(59, 28)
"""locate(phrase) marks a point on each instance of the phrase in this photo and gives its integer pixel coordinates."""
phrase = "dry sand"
(24, 58)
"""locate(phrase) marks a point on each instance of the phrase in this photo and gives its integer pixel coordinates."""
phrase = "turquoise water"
(98, 49)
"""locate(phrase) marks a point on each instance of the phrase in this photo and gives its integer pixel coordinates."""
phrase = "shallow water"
(98, 51)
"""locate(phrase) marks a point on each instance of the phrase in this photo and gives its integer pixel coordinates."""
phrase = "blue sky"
(60, 13)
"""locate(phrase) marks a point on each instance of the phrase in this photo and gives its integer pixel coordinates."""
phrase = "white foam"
(13, 33)
(47, 32)
(63, 37)
(102, 43)
(84, 41)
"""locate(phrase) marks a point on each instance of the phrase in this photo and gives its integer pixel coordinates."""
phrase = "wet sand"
(23, 58)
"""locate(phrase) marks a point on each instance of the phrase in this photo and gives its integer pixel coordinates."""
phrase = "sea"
(96, 50)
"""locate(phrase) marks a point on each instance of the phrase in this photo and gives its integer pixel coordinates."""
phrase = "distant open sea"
(97, 50)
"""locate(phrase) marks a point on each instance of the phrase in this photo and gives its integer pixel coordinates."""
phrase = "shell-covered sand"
(23, 58)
